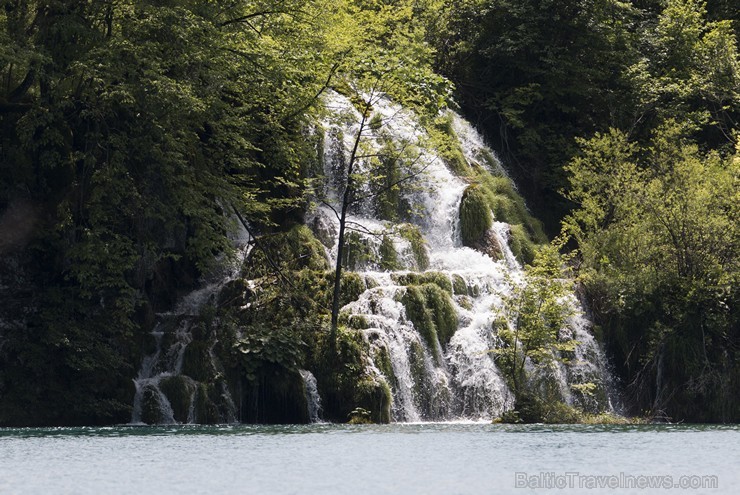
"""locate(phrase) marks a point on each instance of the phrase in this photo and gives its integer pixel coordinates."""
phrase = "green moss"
(455, 159)
(439, 279)
(382, 360)
(352, 287)
(374, 396)
(475, 216)
(294, 250)
(422, 388)
(338, 374)
(444, 316)
(521, 245)
(411, 278)
(494, 167)
(418, 246)
(356, 322)
(357, 253)
(388, 255)
(474, 290)
(497, 194)
(459, 287)
(508, 205)
(360, 416)
(464, 302)
(446, 143)
(417, 312)
(370, 282)
(151, 411)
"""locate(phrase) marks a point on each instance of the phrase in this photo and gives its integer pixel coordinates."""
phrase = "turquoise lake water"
(445, 458)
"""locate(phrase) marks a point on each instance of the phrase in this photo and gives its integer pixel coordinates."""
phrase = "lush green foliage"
(659, 239)
(538, 309)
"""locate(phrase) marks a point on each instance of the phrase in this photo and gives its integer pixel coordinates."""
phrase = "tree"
(690, 72)
(658, 236)
(538, 308)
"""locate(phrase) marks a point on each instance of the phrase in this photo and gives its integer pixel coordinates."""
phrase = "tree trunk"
(346, 202)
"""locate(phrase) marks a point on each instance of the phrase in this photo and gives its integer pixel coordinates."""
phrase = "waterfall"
(431, 309)
(432, 379)
(313, 400)
(165, 394)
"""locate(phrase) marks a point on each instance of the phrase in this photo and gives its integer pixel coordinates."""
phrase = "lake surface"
(445, 458)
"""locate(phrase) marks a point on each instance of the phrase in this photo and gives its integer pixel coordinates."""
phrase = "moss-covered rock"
(356, 322)
(459, 287)
(352, 285)
(374, 396)
(416, 311)
(475, 216)
(295, 249)
(179, 392)
(388, 255)
(442, 310)
(489, 244)
(521, 244)
(382, 360)
(339, 372)
(422, 388)
(440, 279)
(464, 301)
(447, 145)
(418, 246)
(151, 406)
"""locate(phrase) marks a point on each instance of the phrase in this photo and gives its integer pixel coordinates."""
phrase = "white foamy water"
(459, 379)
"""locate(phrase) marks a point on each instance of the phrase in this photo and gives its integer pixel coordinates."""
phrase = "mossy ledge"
(432, 313)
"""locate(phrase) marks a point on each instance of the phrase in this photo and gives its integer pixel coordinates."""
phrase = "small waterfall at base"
(431, 306)
(167, 391)
(313, 400)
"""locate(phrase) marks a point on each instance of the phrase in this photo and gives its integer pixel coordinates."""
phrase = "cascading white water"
(430, 381)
